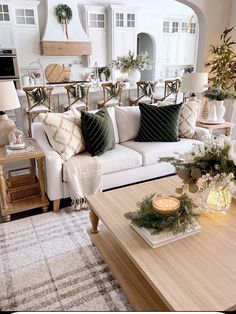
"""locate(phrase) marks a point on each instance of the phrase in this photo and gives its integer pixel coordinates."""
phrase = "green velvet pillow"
(97, 131)
(159, 124)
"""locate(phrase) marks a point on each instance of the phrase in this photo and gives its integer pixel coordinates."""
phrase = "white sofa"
(129, 162)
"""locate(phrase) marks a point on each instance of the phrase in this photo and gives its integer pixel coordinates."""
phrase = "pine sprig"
(176, 222)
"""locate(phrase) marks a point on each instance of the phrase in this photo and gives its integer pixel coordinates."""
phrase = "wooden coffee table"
(197, 273)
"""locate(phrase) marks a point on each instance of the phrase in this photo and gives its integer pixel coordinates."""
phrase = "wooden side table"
(227, 126)
(8, 208)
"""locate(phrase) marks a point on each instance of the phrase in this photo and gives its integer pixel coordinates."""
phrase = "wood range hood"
(54, 41)
(65, 48)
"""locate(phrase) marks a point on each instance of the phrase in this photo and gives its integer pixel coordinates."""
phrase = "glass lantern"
(16, 139)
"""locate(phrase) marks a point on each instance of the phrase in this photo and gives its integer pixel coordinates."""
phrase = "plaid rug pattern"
(47, 263)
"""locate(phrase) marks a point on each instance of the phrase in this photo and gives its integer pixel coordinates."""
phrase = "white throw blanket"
(83, 174)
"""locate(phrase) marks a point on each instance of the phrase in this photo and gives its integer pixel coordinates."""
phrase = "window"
(166, 27)
(175, 27)
(120, 19)
(130, 20)
(184, 27)
(193, 28)
(97, 20)
(25, 16)
(4, 13)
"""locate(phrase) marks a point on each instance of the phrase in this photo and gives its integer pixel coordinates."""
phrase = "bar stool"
(78, 96)
(39, 101)
(145, 93)
(112, 94)
(171, 90)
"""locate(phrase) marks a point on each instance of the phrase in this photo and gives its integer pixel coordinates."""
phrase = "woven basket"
(22, 187)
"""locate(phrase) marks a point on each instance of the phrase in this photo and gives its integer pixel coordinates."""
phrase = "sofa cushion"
(128, 121)
(152, 151)
(98, 132)
(188, 119)
(64, 132)
(111, 111)
(159, 124)
(120, 158)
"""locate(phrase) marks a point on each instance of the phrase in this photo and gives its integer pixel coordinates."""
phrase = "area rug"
(47, 263)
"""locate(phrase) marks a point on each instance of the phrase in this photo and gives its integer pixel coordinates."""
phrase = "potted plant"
(133, 65)
(222, 73)
(222, 63)
(216, 97)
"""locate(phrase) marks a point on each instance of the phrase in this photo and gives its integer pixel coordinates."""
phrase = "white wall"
(214, 16)
(232, 21)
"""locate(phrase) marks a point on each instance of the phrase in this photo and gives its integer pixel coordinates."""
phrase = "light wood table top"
(216, 126)
(197, 273)
(36, 153)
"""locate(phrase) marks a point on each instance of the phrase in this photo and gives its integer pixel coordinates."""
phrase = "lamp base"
(6, 125)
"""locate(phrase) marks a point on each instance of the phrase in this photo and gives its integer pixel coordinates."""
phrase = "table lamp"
(8, 101)
(194, 83)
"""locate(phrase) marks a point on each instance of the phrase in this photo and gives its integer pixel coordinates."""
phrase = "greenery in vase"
(217, 93)
(180, 221)
(130, 62)
(211, 161)
(222, 64)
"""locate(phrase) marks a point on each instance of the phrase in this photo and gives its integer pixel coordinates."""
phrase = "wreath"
(64, 16)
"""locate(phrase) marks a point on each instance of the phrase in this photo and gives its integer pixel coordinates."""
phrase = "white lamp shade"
(8, 96)
(194, 82)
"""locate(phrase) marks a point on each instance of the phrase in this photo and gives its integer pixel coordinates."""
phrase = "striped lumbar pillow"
(159, 124)
(98, 132)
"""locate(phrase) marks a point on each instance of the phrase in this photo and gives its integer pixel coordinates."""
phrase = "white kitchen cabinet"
(27, 36)
(96, 29)
(6, 37)
(6, 29)
(123, 36)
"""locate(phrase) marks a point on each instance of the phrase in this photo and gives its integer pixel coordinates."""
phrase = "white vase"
(220, 109)
(134, 76)
(212, 117)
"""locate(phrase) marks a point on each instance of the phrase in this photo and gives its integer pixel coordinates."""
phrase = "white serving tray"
(164, 237)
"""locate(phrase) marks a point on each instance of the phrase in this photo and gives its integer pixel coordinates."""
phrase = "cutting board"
(55, 73)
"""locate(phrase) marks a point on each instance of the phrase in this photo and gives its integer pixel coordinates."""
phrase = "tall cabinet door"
(96, 27)
(27, 35)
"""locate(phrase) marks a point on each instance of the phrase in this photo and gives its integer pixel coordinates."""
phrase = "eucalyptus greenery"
(39, 96)
(130, 62)
(64, 16)
(206, 162)
(222, 64)
(176, 222)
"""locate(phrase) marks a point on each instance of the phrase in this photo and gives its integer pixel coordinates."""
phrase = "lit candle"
(165, 205)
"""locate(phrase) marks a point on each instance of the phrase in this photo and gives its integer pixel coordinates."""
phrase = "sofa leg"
(56, 205)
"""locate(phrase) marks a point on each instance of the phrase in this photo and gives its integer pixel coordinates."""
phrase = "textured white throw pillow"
(128, 122)
(188, 119)
(64, 132)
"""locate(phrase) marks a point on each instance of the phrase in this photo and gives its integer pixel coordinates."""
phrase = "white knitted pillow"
(64, 132)
(188, 119)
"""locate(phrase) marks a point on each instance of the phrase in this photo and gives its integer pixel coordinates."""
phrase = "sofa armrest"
(201, 132)
(53, 163)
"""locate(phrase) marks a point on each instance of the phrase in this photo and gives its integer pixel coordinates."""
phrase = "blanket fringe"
(79, 204)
